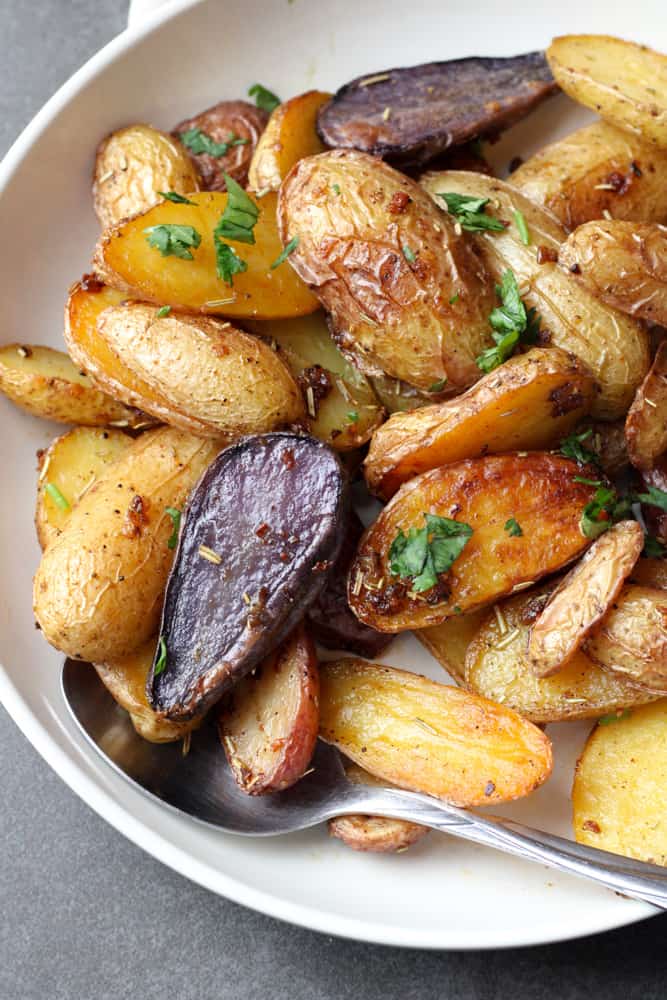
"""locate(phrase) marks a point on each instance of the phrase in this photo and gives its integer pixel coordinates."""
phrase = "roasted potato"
(497, 667)
(99, 587)
(377, 834)
(269, 724)
(449, 642)
(619, 795)
(222, 140)
(583, 598)
(48, 384)
(124, 260)
(530, 402)
(632, 639)
(67, 469)
(594, 171)
(625, 83)
(290, 136)
(489, 499)
(613, 346)
(397, 396)
(133, 166)
(650, 573)
(655, 515)
(406, 295)
(606, 439)
(646, 422)
(430, 737)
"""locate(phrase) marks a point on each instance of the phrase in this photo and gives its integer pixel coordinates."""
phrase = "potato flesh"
(646, 422)
(289, 136)
(429, 737)
(406, 295)
(449, 642)
(530, 402)
(619, 795)
(124, 260)
(632, 639)
(536, 489)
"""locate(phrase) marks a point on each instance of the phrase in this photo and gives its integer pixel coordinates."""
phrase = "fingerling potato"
(646, 422)
(376, 834)
(222, 140)
(650, 573)
(632, 639)
(290, 136)
(449, 641)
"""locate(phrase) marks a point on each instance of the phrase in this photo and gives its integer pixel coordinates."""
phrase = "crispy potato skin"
(583, 598)
(99, 587)
(132, 165)
(449, 642)
(646, 422)
(530, 402)
(269, 725)
(124, 260)
(390, 314)
(650, 573)
(497, 667)
(376, 834)
(632, 639)
(619, 795)
(430, 737)
(72, 463)
(237, 118)
(536, 489)
(598, 168)
(289, 137)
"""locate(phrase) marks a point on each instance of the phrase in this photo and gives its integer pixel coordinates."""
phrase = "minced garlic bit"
(502, 624)
(209, 555)
(378, 78)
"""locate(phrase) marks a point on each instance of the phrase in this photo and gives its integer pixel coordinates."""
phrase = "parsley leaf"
(288, 249)
(227, 261)
(57, 496)
(199, 142)
(173, 241)
(605, 508)
(438, 386)
(522, 226)
(353, 416)
(409, 255)
(512, 324)
(424, 553)
(161, 662)
(513, 528)
(654, 497)
(572, 447)
(264, 99)
(175, 515)
(162, 312)
(653, 549)
(469, 212)
(178, 199)
(607, 720)
(239, 217)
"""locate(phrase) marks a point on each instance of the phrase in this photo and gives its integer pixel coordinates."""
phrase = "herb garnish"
(239, 217)
(469, 212)
(353, 416)
(335, 188)
(227, 261)
(512, 324)
(162, 312)
(57, 496)
(409, 255)
(513, 528)
(653, 549)
(571, 447)
(175, 515)
(178, 199)
(607, 720)
(654, 497)
(199, 142)
(264, 99)
(424, 553)
(288, 249)
(522, 226)
(161, 664)
(605, 508)
(438, 386)
(173, 241)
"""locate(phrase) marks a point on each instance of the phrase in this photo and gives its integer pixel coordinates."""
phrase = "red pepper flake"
(263, 530)
(399, 202)
(135, 518)
(322, 566)
(288, 459)
(284, 556)
(590, 824)
(91, 283)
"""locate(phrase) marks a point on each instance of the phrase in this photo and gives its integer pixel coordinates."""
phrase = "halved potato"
(429, 737)
(69, 467)
(535, 490)
(269, 725)
(124, 259)
(619, 795)
(582, 599)
(289, 136)
(624, 82)
(132, 167)
(632, 639)
(650, 573)
(449, 642)
(377, 834)
(236, 125)
(48, 384)
(530, 402)
(497, 667)
(646, 422)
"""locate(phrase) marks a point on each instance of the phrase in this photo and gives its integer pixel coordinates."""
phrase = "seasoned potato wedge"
(530, 402)
(289, 137)
(613, 346)
(624, 82)
(99, 587)
(236, 125)
(497, 667)
(430, 737)
(534, 489)
(619, 795)
(48, 384)
(125, 260)
(133, 166)
(125, 679)
(650, 573)
(68, 468)
(632, 639)
(377, 834)
(583, 598)
(449, 642)
(406, 295)
(646, 422)
(595, 170)
(269, 725)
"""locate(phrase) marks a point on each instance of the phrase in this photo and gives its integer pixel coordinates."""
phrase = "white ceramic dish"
(443, 893)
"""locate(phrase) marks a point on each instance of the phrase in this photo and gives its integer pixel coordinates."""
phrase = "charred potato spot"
(235, 124)
(289, 137)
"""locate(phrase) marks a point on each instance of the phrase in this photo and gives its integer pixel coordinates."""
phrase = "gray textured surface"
(88, 916)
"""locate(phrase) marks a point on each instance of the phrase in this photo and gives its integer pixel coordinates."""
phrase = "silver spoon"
(201, 785)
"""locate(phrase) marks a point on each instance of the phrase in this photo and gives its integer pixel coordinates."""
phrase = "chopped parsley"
(469, 212)
(409, 255)
(199, 142)
(424, 553)
(264, 99)
(605, 508)
(227, 261)
(239, 217)
(161, 662)
(513, 528)
(438, 386)
(653, 549)
(522, 226)
(178, 199)
(607, 720)
(162, 312)
(335, 188)
(454, 298)
(173, 241)
(175, 515)
(57, 496)
(512, 324)
(654, 497)
(587, 482)
(572, 447)
(353, 416)
(288, 249)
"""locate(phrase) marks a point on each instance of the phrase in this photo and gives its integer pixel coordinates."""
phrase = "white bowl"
(443, 893)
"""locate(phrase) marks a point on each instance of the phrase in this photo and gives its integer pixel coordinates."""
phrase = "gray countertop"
(88, 916)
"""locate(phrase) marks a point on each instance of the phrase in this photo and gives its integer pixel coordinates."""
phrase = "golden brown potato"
(48, 384)
(497, 667)
(619, 795)
(290, 136)
(632, 639)
(583, 598)
(624, 82)
(99, 587)
(646, 422)
(530, 402)
(531, 491)
(406, 295)
(430, 737)
(595, 171)
(125, 679)
(132, 167)
(235, 128)
(613, 346)
(650, 573)
(269, 725)
(124, 260)
(449, 642)
(377, 834)
(67, 469)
